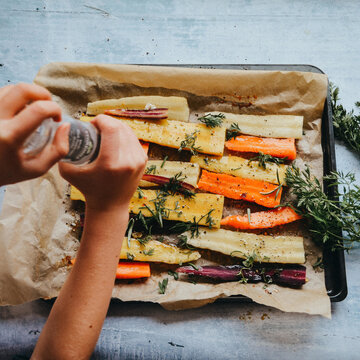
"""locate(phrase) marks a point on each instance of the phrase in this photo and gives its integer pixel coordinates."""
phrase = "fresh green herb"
(130, 256)
(189, 143)
(233, 131)
(175, 185)
(193, 226)
(151, 169)
(249, 214)
(182, 242)
(193, 266)
(174, 274)
(206, 161)
(277, 189)
(129, 231)
(243, 279)
(346, 124)
(212, 120)
(319, 263)
(149, 252)
(264, 158)
(144, 240)
(326, 215)
(141, 194)
(162, 285)
(164, 161)
(249, 261)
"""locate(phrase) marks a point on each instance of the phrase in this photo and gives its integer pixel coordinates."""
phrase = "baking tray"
(334, 261)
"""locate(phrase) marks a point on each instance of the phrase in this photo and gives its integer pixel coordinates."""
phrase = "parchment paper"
(38, 224)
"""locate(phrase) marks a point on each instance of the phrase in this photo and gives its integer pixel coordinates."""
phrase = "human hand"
(111, 180)
(23, 108)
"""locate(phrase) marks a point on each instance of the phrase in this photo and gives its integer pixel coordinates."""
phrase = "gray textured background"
(321, 33)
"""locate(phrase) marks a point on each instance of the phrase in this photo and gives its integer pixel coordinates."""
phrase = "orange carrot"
(275, 147)
(145, 146)
(262, 219)
(129, 270)
(132, 270)
(233, 187)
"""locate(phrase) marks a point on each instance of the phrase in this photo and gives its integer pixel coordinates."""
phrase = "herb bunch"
(346, 124)
(212, 120)
(189, 143)
(233, 131)
(175, 185)
(333, 222)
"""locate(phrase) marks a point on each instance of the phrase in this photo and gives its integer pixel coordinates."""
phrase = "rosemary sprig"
(277, 189)
(327, 216)
(233, 131)
(189, 143)
(164, 161)
(193, 226)
(346, 124)
(162, 285)
(182, 242)
(151, 169)
(265, 158)
(130, 256)
(212, 120)
(193, 266)
(149, 252)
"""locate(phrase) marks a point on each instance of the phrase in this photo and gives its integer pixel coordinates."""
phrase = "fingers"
(31, 117)
(4, 90)
(51, 154)
(18, 96)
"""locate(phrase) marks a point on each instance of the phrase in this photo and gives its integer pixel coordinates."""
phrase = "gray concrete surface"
(321, 33)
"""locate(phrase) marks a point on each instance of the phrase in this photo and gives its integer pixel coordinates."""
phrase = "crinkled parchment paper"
(36, 224)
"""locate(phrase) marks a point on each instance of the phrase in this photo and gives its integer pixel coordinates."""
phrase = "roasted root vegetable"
(147, 114)
(291, 275)
(177, 134)
(281, 148)
(129, 270)
(132, 270)
(156, 251)
(275, 126)
(175, 207)
(260, 192)
(262, 219)
(189, 172)
(178, 108)
(265, 248)
(238, 166)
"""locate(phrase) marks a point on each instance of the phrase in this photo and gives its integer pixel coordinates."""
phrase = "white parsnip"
(176, 206)
(271, 249)
(173, 133)
(276, 126)
(156, 251)
(178, 108)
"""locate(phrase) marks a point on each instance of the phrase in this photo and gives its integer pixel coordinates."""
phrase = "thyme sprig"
(346, 124)
(233, 131)
(334, 222)
(175, 185)
(189, 143)
(212, 120)
(265, 158)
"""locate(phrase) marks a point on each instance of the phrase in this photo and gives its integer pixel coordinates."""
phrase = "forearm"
(82, 304)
